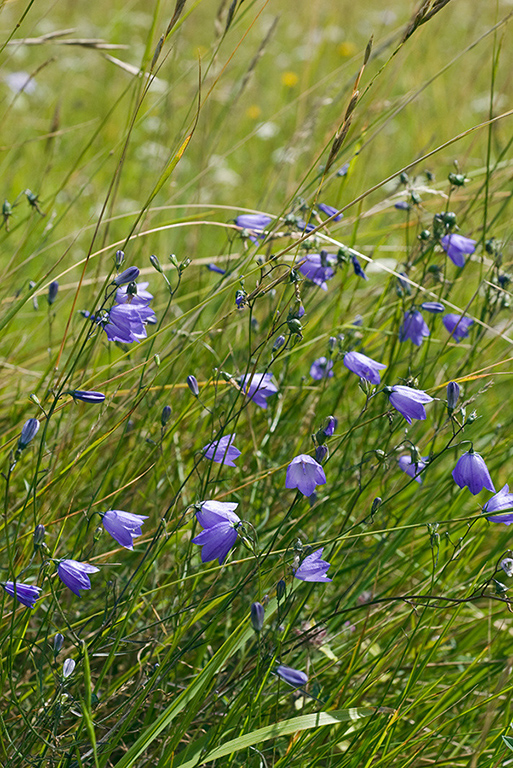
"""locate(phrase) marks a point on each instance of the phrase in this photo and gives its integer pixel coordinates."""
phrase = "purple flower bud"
(321, 452)
(331, 425)
(68, 668)
(292, 676)
(313, 568)
(155, 263)
(280, 589)
(456, 247)
(357, 267)
(119, 258)
(128, 276)
(88, 396)
(193, 385)
(74, 574)
(457, 325)
(376, 505)
(58, 642)
(215, 268)
(507, 566)
(26, 594)
(254, 221)
(330, 211)
(432, 306)
(165, 415)
(453, 393)
(471, 471)
(402, 205)
(257, 616)
(280, 341)
(304, 473)
(28, 433)
(39, 535)
(53, 290)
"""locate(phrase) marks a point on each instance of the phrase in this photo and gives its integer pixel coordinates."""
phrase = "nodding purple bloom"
(28, 433)
(258, 387)
(330, 211)
(358, 267)
(313, 568)
(141, 297)
(192, 383)
(364, 367)
(501, 502)
(255, 221)
(471, 471)
(304, 227)
(453, 392)
(220, 529)
(322, 368)
(292, 676)
(74, 575)
(123, 526)
(88, 396)
(433, 306)
(414, 327)
(321, 454)
(127, 276)
(313, 269)
(214, 268)
(408, 401)
(126, 322)
(304, 473)
(53, 290)
(458, 326)
(412, 468)
(456, 246)
(26, 594)
(222, 451)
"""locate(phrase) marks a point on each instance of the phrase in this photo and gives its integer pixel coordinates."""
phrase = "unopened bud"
(257, 616)
(376, 505)
(155, 263)
(128, 276)
(453, 392)
(68, 668)
(280, 341)
(295, 326)
(28, 433)
(119, 258)
(330, 426)
(507, 566)
(166, 415)
(321, 453)
(280, 589)
(53, 290)
(58, 641)
(39, 535)
(193, 385)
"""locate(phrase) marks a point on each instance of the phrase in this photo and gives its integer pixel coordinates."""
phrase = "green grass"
(407, 651)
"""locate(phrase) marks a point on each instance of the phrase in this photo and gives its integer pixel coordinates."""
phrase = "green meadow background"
(154, 148)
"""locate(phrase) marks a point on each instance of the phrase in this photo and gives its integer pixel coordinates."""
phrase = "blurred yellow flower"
(253, 112)
(289, 79)
(347, 49)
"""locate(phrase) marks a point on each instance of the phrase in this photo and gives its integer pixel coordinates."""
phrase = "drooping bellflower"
(413, 327)
(293, 677)
(257, 616)
(254, 221)
(222, 451)
(127, 322)
(88, 396)
(313, 269)
(142, 297)
(313, 568)
(471, 471)
(412, 468)
(124, 527)
(457, 325)
(330, 211)
(28, 433)
(26, 594)
(127, 276)
(220, 529)
(457, 246)
(500, 503)
(322, 368)
(304, 473)
(258, 387)
(357, 267)
(453, 393)
(408, 401)
(364, 367)
(74, 575)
